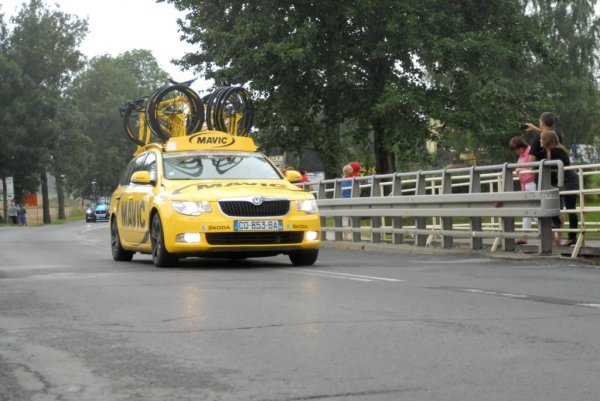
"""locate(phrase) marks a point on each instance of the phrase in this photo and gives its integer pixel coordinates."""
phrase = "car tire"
(160, 256)
(304, 257)
(118, 252)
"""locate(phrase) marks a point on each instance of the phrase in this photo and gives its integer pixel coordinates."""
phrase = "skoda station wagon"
(210, 194)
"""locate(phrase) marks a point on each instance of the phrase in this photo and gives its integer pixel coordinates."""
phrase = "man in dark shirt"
(546, 124)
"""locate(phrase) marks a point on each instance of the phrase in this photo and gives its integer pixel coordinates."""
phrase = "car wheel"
(118, 253)
(304, 257)
(160, 256)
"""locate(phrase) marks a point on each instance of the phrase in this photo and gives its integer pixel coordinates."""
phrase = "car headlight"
(191, 208)
(307, 205)
(88, 211)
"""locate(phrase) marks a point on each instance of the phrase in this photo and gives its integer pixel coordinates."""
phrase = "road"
(359, 325)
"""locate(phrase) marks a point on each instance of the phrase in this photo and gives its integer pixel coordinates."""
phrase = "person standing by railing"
(347, 184)
(527, 180)
(355, 169)
(557, 151)
(547, 123)
(346, 193)
(304, 176)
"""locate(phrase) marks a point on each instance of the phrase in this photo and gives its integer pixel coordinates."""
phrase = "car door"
(126, 210)
(141, 196)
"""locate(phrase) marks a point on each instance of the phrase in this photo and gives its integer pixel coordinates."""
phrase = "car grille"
(247, 209)
(258, 238)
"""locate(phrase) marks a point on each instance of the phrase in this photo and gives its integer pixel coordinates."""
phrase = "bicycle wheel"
(175, 110)
(133, 121)
(230, 109)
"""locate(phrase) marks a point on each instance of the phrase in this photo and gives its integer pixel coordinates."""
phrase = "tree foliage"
(59, 113)
(43, 44)
(572, 29)
(94, 99)
(376, 73)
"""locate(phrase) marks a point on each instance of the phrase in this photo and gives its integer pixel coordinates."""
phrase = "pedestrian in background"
(304, 176)
(355, 169)
(347, 172)
(13, 212)
(527, 180)
(347, 193)
(22, 215)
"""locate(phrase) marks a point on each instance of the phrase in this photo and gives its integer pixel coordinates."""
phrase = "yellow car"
(210, 194)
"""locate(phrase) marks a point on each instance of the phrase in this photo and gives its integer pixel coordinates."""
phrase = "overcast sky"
(116, 26)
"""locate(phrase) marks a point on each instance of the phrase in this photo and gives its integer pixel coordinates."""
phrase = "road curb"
(522, 252)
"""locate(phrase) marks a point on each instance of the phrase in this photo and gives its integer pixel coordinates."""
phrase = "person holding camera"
(547, 122)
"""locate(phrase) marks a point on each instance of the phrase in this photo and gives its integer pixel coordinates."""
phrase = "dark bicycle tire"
(131, 112)
(194, 115)
(223, 103)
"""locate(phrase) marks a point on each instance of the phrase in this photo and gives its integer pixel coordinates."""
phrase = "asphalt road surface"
(359, 325)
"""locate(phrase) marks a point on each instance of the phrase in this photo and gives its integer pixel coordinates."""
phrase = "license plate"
(257, 225)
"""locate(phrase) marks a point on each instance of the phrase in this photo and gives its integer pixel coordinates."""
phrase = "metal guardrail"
(425, 204)
(586, 225)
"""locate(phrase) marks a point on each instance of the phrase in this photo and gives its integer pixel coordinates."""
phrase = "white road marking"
(348, 276)
(32, 267)
(597, 306)
(503, 294)
(459, 261)
(97, 226)
(315, 273)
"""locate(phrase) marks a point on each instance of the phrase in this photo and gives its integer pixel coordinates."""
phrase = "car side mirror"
(293, 176)
(141, 178)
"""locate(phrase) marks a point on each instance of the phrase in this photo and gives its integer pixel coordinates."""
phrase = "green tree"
(321, 70)
(572, 29)
(44, 44)
(378, 72)
(12, 112)
(478, 58)
(93, 100)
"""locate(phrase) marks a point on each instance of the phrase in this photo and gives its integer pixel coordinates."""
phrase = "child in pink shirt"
(527, 180)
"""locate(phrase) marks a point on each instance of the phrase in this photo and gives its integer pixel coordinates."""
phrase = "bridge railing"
(473, 202)
(586, 211)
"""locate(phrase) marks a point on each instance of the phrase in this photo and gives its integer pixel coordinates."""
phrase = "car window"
(124, 180)
(135, 165)
(217, 166)
(150, 165)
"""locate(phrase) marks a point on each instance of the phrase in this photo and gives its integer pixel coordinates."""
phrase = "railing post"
(421, 222)
(337, 221)
(447, 240)
(321, 194)
(476, 226)
(508, 223)
(355, 221)
(375, 220)
(545, 223)
(580, 214)
(397, 221)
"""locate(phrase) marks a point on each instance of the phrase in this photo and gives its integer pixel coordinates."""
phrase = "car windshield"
(218, 166)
